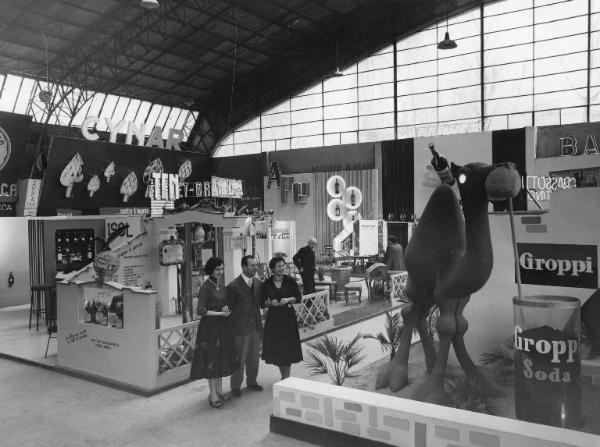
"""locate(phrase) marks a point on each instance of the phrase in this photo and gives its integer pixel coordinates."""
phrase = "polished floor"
(17, 340)
(40, 407)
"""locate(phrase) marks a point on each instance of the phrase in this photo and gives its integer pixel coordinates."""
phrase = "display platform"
(331, 415)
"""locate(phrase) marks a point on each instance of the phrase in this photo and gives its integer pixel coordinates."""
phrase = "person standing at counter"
(214, 354)
(244, 295)
(394, 255)
(305, 262)
(281, 342)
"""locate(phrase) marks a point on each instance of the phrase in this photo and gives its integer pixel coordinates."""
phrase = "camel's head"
(478, 182)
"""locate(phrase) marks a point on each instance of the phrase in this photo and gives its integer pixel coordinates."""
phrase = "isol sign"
(560, 265)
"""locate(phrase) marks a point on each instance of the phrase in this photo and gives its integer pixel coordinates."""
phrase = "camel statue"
(448, 258)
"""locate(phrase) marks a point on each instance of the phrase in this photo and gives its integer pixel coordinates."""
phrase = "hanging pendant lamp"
(45, 95)
(447, 43)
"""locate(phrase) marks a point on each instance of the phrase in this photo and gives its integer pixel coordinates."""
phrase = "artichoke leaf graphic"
(109, 171)
(154, 166)
(185, 170)
(129, 186)
(93, 185)
(73, 173)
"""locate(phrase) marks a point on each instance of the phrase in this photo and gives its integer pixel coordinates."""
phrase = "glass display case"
(74, 249)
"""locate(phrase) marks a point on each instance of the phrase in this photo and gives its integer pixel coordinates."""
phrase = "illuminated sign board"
(217, 187)
(568, 140)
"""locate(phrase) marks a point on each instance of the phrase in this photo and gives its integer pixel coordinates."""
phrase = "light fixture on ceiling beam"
(447, 43)
(45, 95)
(150, 4)
(337, 73)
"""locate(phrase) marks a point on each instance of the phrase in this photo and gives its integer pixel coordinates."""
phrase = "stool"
(353, 287)
(37, 303)
(52, 329)
(51, 316)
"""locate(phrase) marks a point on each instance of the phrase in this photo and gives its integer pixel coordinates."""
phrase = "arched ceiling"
(228, 59)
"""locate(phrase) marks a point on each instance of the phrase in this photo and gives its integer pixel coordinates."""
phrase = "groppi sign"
(565, 265)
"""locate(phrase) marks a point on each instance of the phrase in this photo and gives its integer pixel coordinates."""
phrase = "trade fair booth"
(121, 328)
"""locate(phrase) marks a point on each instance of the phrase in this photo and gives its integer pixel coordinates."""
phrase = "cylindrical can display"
(547, 361)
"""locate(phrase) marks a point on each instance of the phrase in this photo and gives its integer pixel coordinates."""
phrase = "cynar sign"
(563, 265)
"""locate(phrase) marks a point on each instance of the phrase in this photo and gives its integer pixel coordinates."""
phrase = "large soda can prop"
(547, 361)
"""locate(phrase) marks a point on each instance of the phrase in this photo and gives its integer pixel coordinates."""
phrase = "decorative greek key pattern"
(315, 312)
(176, 346)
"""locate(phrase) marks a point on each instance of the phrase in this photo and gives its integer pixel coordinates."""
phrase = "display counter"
(110, 332)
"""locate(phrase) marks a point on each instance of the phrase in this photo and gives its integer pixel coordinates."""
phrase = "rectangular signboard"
(563, 265)
(570, 140)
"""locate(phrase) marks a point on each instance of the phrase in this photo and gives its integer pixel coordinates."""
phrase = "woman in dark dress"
(281, 342)
(214, 354)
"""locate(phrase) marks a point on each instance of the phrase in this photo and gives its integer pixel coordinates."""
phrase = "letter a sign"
(274, 174)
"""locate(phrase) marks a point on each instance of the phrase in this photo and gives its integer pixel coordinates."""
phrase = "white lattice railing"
(311, 314)
(398, 285)
(176, 346)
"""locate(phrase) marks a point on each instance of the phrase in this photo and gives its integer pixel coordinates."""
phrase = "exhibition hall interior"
(300, 222)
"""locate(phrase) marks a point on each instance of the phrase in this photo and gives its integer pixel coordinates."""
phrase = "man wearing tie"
(243, 294)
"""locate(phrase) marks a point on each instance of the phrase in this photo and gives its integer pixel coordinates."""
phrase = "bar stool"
(51, 316)
(37, 303)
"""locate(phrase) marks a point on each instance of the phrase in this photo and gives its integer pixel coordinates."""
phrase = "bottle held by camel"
(440, 164)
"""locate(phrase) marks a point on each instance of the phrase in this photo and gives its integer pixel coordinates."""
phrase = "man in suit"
(243, 294)
(394, 256)
(305, 261)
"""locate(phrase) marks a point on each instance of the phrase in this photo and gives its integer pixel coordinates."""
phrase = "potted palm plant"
(336, 358)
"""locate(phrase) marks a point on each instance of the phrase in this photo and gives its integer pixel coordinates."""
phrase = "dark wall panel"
(398, 178)
(509, 145)
(349, 157)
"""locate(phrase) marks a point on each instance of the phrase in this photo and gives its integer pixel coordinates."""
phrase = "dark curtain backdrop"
(509, 145)
(325, 229)
(398, 177)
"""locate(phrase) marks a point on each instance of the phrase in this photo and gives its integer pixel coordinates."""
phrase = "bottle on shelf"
(112, 313)
(104, 320)
(87, 312)
(352, 198)
(440, 164)
(90, 252)
(336, 187)
(119, 312)
(99, 317)
(92, 312)
(337, 210)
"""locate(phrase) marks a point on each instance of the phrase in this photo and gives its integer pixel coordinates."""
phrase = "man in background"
(394, 255)
(305, 262)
